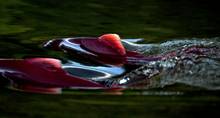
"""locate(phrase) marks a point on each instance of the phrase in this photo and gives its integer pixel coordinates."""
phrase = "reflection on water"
(194, 62)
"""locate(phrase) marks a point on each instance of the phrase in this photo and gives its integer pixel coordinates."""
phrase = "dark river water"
(189, 91)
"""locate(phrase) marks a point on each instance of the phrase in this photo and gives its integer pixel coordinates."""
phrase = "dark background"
(26, 24)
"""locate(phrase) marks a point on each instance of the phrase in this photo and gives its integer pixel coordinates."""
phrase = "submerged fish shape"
(106, 49)
(48, 75)
(156, 59)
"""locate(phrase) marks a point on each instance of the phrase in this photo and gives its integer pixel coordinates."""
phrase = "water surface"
(26, 24)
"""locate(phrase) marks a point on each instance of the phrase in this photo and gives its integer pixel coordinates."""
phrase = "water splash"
(172, 45)
(194, 62)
